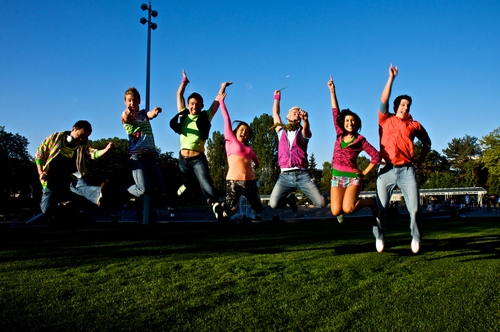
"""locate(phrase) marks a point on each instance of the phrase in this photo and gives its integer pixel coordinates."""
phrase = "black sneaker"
(292, 202)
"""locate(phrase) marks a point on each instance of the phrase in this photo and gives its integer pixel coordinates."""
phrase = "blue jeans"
(59, 190)
(199, 166)
(404, 177)
(146, 174)
(291, 181)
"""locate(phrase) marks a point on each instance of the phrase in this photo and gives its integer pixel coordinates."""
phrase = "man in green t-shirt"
(193, 126)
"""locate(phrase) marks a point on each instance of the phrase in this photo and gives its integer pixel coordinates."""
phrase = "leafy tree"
(113, 165)
(493, 184)
(173, 178)
(312, 167)
(326, 177)
(475, 175)
(461, 150)
(265, 145)
(16, 165)
(370, 179)
(434, 162)
(165, 157)
(441, 180)
(217, 161)
(491, 159)
(491, 146)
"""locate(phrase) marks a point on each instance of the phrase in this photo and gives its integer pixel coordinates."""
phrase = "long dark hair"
(341, 118)
(238, 125)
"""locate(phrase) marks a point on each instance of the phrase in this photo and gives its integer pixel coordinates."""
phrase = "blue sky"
(63, 61)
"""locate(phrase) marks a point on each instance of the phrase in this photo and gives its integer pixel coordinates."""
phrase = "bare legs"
(346, 200)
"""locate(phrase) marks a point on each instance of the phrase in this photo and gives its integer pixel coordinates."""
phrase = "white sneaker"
(340, 218)
(415, 246)
(380, 245)
(217, 208)
(181, 190)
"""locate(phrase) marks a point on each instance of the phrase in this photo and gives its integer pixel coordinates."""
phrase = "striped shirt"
(140, 133)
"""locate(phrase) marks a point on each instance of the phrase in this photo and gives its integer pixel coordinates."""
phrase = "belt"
(399, 166)
(296, 171)
(149, 155)
(190, 158)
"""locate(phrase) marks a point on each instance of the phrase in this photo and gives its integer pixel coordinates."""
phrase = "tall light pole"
(151, 26)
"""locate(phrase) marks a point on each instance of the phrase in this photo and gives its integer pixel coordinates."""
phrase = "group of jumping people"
(60, 159)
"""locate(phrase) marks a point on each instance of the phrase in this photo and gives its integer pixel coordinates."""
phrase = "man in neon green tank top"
(193, 126)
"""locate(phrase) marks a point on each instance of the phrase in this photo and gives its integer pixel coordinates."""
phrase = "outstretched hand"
(393, 71)
(156, 111)
(330, 84)
(303, 115)
(222, 89)
(184, 77)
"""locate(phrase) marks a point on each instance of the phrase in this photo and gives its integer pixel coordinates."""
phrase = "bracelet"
(277, 97)
(184, 79)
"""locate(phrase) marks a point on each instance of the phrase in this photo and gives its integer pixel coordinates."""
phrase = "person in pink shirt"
(346, 176)
(240, 178)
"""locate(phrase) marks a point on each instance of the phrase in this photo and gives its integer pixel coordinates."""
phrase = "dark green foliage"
(217, 161)
(265, 145)
(491, 159)
(16, 165)
(326, 178)
(463, 155)
(433, 163)
(370, 179)
(113, 164)
(312, 167)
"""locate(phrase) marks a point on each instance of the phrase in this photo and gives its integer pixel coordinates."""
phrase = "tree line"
(465, 162)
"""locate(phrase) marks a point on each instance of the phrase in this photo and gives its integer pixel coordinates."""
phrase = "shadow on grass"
(61, 247)
(471, 248)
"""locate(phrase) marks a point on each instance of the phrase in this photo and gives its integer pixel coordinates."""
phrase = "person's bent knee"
(140, 191)
(273, 203)
(349, 209)
(335, 211)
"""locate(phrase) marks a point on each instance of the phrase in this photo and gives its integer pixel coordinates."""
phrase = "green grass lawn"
(309, 276)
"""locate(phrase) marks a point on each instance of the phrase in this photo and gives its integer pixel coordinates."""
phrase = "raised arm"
(276, 109)
(181, 103)
(222, 91)
(386, 93)
(228, 132)
(306, 128)
(335, 105)
(333, 95)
